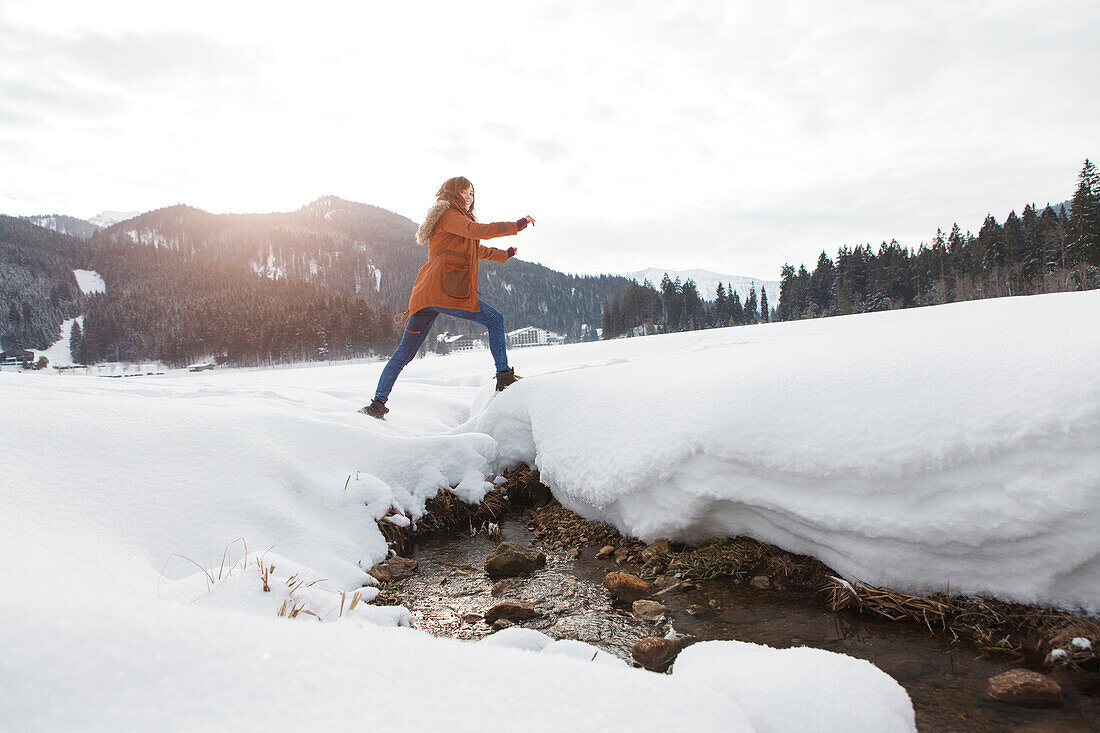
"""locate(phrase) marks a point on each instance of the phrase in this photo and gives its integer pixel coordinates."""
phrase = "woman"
(448, 283)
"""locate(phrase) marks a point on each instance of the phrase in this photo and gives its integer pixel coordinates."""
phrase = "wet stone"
(657, 654)
(763, 582)
(626, 587)
(649, 610)
(605, 551)
(501, 623)
(501, 586)
(471, 618)
(514, 612)
(396, 568)
(1025, 688)
(510, 560)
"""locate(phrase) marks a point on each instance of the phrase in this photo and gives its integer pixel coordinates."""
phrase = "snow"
(582, 651)
(109, 218)
(922, 449)
(517, 637)
(798, 689)
(706, 282)
(59, 353)
(90, 281)
(910, 448)
(1081, 642)
(147, 237)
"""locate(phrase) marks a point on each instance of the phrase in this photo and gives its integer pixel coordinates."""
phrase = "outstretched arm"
(454, 222)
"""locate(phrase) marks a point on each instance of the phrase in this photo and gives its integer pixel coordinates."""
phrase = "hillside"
(38, 289)
(362, 251)
(64, 224)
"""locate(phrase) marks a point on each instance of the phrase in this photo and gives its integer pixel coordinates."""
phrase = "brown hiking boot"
(505, 378)
(375, 409)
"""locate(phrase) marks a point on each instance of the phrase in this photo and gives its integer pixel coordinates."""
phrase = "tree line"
(1037, 251)
(163, 305)
(679, 306)
(1052, 250)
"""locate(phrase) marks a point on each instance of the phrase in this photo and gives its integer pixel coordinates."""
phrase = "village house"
(460, 342)
(533, 336)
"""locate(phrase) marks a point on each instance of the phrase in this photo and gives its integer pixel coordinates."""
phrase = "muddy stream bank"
(451, 592)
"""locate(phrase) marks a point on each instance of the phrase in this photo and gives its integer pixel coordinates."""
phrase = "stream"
(946, 682)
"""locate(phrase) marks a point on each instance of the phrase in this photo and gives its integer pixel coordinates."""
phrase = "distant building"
(533, 336)
(17, 357)
(460, 342)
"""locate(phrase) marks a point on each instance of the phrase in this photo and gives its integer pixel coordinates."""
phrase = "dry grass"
(356, 597)
(212, 576)
(891, 604)
(990, 625)
(293, 609)
(389, 594)
(741, 558)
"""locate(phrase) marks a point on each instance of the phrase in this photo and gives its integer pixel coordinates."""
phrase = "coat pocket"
(456, 277)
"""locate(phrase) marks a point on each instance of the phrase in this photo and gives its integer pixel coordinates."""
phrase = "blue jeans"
(416, 330)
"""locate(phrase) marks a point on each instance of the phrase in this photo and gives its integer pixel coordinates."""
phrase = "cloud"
(731, 136)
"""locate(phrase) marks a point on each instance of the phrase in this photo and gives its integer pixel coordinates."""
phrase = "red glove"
(511, 252)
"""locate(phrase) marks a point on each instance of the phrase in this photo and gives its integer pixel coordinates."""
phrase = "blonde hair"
(451, 192)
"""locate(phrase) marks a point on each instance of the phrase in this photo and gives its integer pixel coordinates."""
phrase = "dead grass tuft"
(891, 604)
(389, 594)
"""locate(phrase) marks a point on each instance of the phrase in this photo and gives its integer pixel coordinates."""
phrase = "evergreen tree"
(750, 305)
(764, 315)
(1052, 236)
(673, 303)
(786, 311)
(737, 313)
(1014, 239)
(76, 343)
(1034, 259)
(991, 244)
(1084, 218)
(694, 314)
(821, 285)
(721, 306)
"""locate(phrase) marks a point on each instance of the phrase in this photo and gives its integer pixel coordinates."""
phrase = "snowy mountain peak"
(707, 281)
(64, 224)
(108, 218)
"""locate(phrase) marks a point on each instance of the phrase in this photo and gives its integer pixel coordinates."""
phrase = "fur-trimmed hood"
(424, 233)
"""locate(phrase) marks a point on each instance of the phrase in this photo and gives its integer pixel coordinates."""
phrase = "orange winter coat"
(449, 278)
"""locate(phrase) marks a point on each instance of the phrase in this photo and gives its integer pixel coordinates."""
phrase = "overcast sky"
(727, 136)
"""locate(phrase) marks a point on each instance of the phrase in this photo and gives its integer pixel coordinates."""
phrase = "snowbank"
(914, 448)
(920, 449)
(102, 663)
(800, 688)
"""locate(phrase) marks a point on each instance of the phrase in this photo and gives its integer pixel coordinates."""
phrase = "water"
(946, 682)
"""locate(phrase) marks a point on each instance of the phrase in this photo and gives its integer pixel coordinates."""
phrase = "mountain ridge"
(706, 281)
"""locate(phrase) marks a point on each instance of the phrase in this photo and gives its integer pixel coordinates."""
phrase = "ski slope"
(916, 448)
